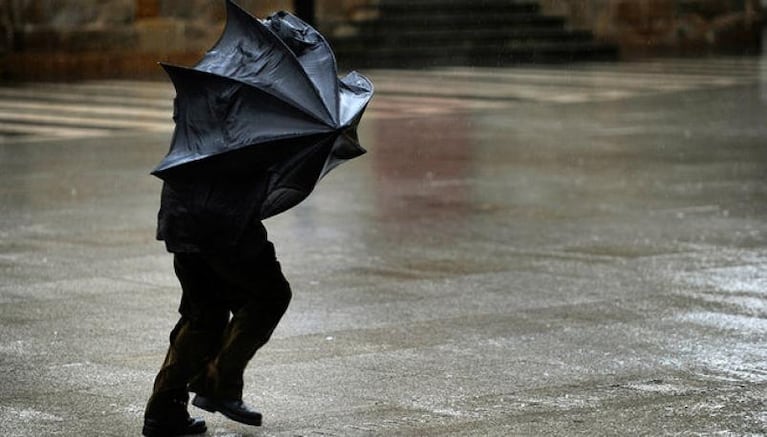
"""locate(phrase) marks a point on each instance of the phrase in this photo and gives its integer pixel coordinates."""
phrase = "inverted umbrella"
(266, 98)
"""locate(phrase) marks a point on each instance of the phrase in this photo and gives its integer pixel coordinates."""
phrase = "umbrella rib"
(277, 41)
(326, 47)
(337, 108)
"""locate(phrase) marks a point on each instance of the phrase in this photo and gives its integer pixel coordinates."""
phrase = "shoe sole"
(210, 407)
(163, 431)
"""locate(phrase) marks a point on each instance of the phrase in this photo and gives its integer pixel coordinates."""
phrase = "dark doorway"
(304, 9)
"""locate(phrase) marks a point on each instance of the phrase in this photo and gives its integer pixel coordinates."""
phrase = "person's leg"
(251, 327)
(260, 297)
(193, 342)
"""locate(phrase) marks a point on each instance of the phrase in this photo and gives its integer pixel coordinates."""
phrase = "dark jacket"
(211, 214)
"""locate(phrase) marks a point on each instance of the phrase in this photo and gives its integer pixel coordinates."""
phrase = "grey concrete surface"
(525, 263)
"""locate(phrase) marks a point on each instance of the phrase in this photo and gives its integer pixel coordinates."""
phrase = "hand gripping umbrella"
(266, 98)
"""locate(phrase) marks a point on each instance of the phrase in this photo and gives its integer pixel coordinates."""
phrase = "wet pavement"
(581, 252)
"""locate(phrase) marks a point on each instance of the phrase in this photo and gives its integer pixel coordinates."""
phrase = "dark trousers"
(230, 305)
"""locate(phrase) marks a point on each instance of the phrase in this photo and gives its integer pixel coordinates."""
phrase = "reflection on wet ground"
(558, 258)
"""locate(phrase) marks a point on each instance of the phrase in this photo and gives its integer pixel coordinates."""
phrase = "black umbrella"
(266, 98)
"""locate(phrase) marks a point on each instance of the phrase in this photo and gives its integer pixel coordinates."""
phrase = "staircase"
(426, 33)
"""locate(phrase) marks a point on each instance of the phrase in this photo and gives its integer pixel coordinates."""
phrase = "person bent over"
(233, 296)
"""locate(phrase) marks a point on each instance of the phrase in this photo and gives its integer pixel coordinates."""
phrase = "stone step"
(440, 37)
(479, 55)
(444, 20)
(413, 7)
(424, 33)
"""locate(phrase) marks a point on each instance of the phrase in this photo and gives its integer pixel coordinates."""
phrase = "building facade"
(68, 39)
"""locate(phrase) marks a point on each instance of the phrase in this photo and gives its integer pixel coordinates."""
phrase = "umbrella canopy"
(266, 98)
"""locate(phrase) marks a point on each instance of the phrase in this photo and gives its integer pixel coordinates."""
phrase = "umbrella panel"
(257, 158)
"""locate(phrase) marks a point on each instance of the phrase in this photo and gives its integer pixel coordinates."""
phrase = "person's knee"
(282, 296)
(274, 301)
(262, 314)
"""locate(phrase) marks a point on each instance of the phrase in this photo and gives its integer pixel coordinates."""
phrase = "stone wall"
(67, 39)
(142, 25)
(656, 27)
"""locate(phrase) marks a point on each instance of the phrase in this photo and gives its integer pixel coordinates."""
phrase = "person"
(233, 296)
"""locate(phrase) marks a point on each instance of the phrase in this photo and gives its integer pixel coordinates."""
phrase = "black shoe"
(233, 409)
(161, 428)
